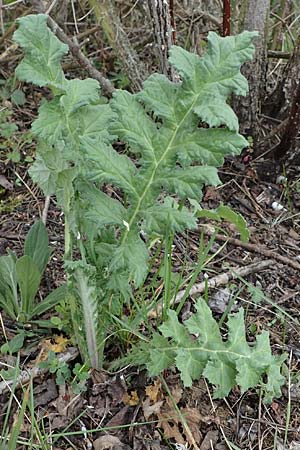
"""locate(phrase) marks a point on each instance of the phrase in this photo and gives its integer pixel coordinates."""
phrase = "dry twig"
(35, 372)
(107, 86)
(219, 280)
(224, 278)
(254, 248)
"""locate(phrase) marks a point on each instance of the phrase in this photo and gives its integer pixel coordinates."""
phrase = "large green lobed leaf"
(43, 52)
(160, 126)
(197, 349)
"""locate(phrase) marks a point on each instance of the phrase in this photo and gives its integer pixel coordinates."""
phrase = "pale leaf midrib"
(205, 350)
(169, 146)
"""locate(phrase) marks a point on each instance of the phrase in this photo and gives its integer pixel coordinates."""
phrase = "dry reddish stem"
(226, 18)
(172, 20)
(292, 128)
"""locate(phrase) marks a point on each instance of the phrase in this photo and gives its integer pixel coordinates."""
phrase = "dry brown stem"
(219, 280)
(109, 20)
(26, 375)
(254, 248)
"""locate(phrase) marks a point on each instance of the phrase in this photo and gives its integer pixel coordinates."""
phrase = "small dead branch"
(219, 280)
(26, 375)
(278, 54)
(224, 278)
(106, 85)
(254, 248)
(8, 52)
(46, 209)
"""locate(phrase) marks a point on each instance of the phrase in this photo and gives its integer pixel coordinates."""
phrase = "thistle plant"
(168, 160)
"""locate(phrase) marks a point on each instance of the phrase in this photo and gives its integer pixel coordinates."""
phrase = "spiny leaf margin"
(196, 348)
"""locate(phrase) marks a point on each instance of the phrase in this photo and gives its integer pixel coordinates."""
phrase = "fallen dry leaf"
(193, 419)
(131, 399)
(121, 418)
(149, 409)
(45, 393)
(218, 302)
(176, 395)
(169, 424)
(293, 234)
(153, 391)
(57, 344)
(61, 343)
(117, 390)
(210, 440)
(107, 442)
(5, 183)
(68, 405)
(211, 193)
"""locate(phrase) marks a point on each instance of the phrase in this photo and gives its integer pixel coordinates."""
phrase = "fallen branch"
(278, 54)
(224, 278)
(26, 375)
(106, 85)
(219, 280)
(255, 248)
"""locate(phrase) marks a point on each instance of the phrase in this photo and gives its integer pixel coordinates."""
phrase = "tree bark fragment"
(161, 12)
(256, 13)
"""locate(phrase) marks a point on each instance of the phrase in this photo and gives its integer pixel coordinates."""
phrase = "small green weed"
(20, 278)
(76, 378)
(12, 141)
(11, 436)
(9, 204)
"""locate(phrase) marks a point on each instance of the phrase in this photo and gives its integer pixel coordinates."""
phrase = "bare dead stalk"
(161, 13)
(224, 278)
(106, 85)
(26, 375)
(219, 280)
(254, 248)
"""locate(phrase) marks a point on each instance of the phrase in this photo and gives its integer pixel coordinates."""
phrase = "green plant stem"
(229, 306)
(67, 253)
(201, 263)
(157, 165)
(288, 407)
(167, 273)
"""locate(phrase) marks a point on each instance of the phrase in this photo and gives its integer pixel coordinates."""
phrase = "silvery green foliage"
(172, 159)
(197, 349)
(160, 126)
